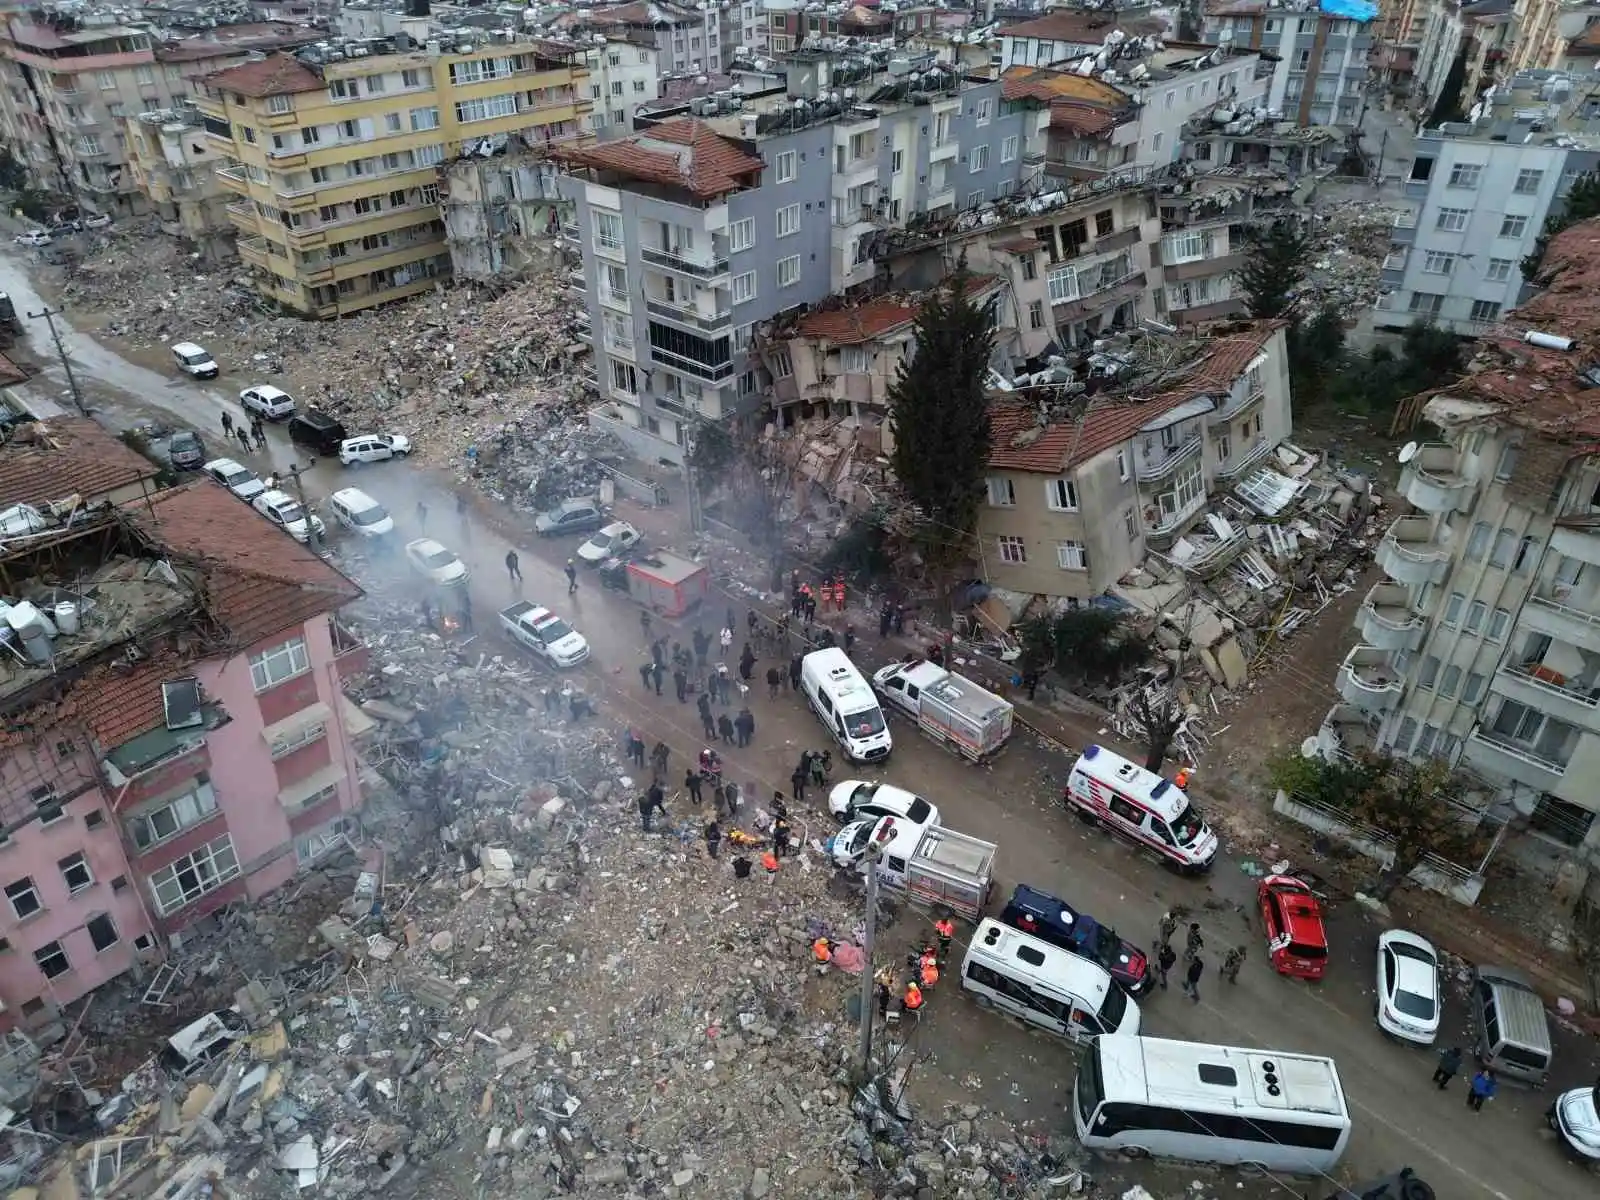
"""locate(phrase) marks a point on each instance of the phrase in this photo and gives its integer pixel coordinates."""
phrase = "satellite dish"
(1309, 748)
(1408, 452)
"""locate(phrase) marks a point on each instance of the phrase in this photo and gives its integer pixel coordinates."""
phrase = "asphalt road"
(968, 1056)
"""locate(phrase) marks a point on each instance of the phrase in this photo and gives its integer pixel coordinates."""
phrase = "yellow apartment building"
(332, 154)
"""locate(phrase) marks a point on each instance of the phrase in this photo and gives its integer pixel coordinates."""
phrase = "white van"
(1045, 985)
(844, 702)
(194, 360)
(360, 513)
(1106, 789)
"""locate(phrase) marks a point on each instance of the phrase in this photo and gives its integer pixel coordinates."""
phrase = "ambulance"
(1140, 806)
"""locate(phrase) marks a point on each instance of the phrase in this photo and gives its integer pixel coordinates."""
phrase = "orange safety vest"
(930, 974)
(769, 860)
(913, 999)
(838, 594)
(820, 949)
(944, 928)
(1183, 779)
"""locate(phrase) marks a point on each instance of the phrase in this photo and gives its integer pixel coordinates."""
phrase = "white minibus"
(1044, 985)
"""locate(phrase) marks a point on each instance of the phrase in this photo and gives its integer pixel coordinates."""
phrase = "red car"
(1297, 941)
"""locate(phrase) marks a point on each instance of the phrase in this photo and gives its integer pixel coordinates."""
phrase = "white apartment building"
(622, 76)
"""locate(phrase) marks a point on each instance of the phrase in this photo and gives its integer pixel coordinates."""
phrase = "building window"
(623, 378)
(172, 817)
(52, 960)
(1465, 175)
(607, 231)
(304, 736)
(1499, 270)
(1062, 285)
(1122, 465)
(789, 271)
(192, 876)
(788, 220)
(24, 899)
(1072, 556)
(1452, 609)
(783, 167)
(1504, 542)
(1036, 314)
(985, 110)
(1485, 310)
(1130, 524)
(1437, 263)
(1429, 672)
(1477, 542)
(1403, 735)
(486, 108)
(619, 331)
(1561, 822)
(1002, 493)
(46, 806)
(424, 118)
(1472, 690)
(1506, 464)
(280, 104)
(1498, 621)
(780, 364)
(75, 870)
(1513, 227)
(1450, 681)
(979, 160)
(283, 662)
(1427, 303)
(1191, 245)
(1528, 181)
(1476, 611)
(1012, 550)
(897, 162)
(1527, 553)
(744, 287)
(1061, 495)
(742, 235)
(1452, 220)
(103, 932)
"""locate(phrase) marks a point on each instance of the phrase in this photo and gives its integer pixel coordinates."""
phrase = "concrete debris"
(1350, 240)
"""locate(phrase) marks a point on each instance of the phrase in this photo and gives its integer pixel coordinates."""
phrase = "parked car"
(97, 221)
(1051, 919)
(194, 360)
(360, 513)
(238, 479)
(430, 559)
(857, 800)
(284, 511)
(186, 450)
(1409, 995)
(273, 403)
(1575, 1116)
(317, 429)
(570, 516)
(614, 539)
(1297, 940)
(33, 237)
(373, 447)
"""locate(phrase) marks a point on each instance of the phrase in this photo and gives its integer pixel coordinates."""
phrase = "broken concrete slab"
(1231, 662)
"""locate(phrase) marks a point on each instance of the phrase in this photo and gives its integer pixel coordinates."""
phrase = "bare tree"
(1412, 803)
(1157, 717)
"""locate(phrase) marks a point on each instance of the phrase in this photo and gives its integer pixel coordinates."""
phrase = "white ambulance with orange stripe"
(1141, 806)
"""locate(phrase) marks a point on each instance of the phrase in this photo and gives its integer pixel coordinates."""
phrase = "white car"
(238, 479)
(194, 360)
(360, 513)
(436, 563)
(97, 221)
(1575, 1116)
(616, 538)
(273, 403)
(548, 636)
(859, 800)
(284, 511)
(374, 447)
(33, 237)
(1409, 995)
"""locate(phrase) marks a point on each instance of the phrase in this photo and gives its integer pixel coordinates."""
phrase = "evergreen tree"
(1580, 203)
(1275, 266)
(940, 413)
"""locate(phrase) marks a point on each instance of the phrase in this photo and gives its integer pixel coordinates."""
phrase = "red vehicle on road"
(1297, 940)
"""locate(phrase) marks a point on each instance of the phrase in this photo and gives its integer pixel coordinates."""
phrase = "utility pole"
(691, 482)
(867, 1000)
(294, 471)
(49, 316)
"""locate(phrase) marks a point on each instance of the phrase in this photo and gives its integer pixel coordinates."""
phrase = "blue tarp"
(1350, 10)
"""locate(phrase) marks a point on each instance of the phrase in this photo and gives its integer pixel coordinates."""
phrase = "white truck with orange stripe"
(1141, 807)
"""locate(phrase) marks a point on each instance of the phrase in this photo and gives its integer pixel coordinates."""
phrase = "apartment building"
(332, 154)
(622, 76)
(1079, 490)
(685, 38)
(696, 229)
(1542, 30)
(70, 79)
(1320, 62)
(502, 213)
(175, 737)
(1063, 34)
(173, 164)
(1483, 193)
(1479, 647)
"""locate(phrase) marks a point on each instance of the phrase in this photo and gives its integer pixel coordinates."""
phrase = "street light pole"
(49, 315)
(866, 969)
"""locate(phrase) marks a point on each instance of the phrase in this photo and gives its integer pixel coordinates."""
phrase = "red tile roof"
(50, 460)
(276, 75)
(1085, 120)
(682, 152)
(1587, 43)
(1111, 420)
(875, 318)
(1047, 85)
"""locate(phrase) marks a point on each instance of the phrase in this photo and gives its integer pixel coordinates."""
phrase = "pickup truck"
(546, 634)
(948, 708)
(934, 866)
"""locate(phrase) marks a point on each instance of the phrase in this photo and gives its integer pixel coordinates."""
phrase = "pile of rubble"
(1350, 241)
(483, 381)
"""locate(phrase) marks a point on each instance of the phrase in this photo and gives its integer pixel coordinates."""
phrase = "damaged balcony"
(1539, 687)
(1368, 680)
(1561, 622)
(1158, 463)
(351, 656)
(1408, 553)
(1386, 620)
(1345, 731)
(1431, 482)
(1496, 754)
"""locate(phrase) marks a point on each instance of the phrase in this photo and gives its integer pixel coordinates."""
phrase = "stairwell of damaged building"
(175, 734)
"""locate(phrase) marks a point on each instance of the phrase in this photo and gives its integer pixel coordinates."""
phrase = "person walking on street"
(691, 784)
(258, 433)
(708, 723)
(713, 837)
(797, 784)
(227, 425)
(1194, 943)
(660, 754)
(635, 745)
(422, 516)
(656, 675)
(702, 647)
(724, 684)
(1164, 931)
(849, 638)
(513, 566)
(243, 435)
(572, 577)
(885, 619)
(1483, 1088)
(1449, 1064)
(747, 663)
(649, 804)
(1166, 959)
(725, 728)
(658, 652)
(644, 624)
(745, 726)
(680, 683)
(725, 639)
(645, 671)
(1231, 962)
(774, 682)
(795, 666)
(1191, 978)
(944, 929)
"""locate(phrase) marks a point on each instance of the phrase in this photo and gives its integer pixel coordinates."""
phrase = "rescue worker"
(912, 1000)
(929, 973)
(1192, 946)
(713, 837)
(691, 782)
(822, 951)
(780, 837)
(944, 929)
(1182, 778)
(1164, 931)
(769, 864)
(883, 1001)
(1231, 962)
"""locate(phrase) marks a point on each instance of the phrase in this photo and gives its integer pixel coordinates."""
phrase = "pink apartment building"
(180, 742)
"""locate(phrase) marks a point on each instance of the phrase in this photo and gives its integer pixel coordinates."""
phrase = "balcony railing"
(1236, 405)
(715, 323)
(615, 299)
(1148, 470)
(1169, 523)
(1495, 752)
(1431, 481)
(689, 366)
(237, 174)
(700, 268)
(1235, 469)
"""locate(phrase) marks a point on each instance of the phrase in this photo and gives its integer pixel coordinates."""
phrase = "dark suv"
(1054, 920)
(317, 429)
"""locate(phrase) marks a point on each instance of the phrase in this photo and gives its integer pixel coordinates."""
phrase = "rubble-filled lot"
(484, 381)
